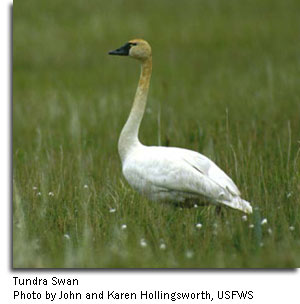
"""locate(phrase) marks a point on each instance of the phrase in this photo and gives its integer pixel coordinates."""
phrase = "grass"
(225, 83)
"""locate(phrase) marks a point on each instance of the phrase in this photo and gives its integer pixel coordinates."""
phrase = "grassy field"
(226, 83)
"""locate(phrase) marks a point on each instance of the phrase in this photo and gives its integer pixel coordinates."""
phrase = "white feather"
(175, 174)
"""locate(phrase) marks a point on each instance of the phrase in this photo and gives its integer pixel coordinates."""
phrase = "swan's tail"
(238, 203)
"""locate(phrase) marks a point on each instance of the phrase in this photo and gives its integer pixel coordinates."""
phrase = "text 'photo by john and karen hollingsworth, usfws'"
(156, 134)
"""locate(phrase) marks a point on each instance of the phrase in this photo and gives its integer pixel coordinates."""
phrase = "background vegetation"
(225, 83)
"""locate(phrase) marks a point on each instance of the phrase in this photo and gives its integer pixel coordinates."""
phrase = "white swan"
(164, 173)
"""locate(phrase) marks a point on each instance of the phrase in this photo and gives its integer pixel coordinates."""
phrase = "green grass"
(225, 83)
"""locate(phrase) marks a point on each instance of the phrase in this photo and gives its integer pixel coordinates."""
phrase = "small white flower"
(162, 246)
(189, 254)
(112, 210)
(261, 244)
(85, 186)
(51, 194)
(264, 221)
(270, 231)
(34, 188)
(66, 236)
(124, 226)
(244, 218)
(251, 226)
(289, 194)
(292, 228)
(195, 206)
(143, 243)
(199, 225)
(39, 194)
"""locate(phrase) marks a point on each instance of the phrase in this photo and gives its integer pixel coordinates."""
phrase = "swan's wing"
(175, 169)
(218, 176)
(230, 194)
(176, 174)
(210, 170)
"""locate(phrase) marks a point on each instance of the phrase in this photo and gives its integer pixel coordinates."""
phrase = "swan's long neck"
(129, 135)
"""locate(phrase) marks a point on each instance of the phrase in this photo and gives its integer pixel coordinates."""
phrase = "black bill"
(122, 51)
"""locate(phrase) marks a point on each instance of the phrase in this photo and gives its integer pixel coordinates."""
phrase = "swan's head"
(137, 48)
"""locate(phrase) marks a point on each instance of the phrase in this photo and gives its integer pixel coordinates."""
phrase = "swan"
(168, 174)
